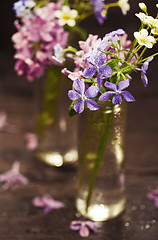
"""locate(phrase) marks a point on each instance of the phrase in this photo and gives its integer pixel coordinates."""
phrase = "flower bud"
(143, 7)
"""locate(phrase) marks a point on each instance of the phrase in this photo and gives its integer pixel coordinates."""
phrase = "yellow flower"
(66, 16)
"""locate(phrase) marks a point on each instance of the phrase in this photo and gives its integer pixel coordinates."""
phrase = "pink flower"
(79, 60)
(48, 203)
(35, 40)
(13, 176)
(31, 141)
(83, 227)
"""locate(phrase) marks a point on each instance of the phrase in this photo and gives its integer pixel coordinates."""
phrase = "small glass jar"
(56, 130)
(101, 178)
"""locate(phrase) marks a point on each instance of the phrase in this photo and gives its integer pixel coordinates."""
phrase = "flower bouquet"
(45, 29)
(102, 74)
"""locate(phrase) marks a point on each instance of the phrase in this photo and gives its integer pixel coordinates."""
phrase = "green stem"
(99, 156)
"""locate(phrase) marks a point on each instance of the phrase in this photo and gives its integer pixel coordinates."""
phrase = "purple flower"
(153, 195)
(83, 227)
(98, 9)
(144, 69)
(97, 59)
(81, 96)
(112, 36)
(117, 90)
(48, 203)
(21, 6)
(13, 176)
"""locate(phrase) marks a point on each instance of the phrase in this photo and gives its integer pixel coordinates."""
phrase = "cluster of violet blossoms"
(92, 73)
(103, 67)
(37, 35)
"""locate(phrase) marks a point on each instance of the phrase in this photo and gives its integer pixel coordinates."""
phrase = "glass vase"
(101, 178)
(56, 131)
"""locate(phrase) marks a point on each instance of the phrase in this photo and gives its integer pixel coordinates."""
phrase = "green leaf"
(127, 69)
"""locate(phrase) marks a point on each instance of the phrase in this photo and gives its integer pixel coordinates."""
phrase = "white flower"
(152, 22)
(144, 39)
(143, 7)
(157, 5)
(154, 31)
(66, 16)
(142, 17)
(124, 5)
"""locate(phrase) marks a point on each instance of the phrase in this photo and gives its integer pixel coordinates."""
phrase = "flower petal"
(75, 225)
(79, 106)
(106, 71)
(99, 78)
(47, 209)
(92, 92)
(92, 105)
(110, 85)
(38, 202)
(84, 231)
(79, 85)
(92, 225)
(106, 95)
(89, 72)
(127, 96)
(145, 65)
(123, 84)
(73, 95)
(144, 79)
(117, 99)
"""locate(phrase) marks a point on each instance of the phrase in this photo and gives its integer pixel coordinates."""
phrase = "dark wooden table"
(20, 220)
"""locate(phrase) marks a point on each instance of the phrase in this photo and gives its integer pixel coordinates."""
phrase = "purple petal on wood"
(84, 231)
(79, 106)
(47, 209)
(106, 71)
(79, 85)
(110, 85)
(38, 202)
(75, 225)
(89, 72)
(123, 84)
(73, 95)
(127, 96)
(117, 99)
(92, 225)
(92, 105)
(105, 96)
(92, 92)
